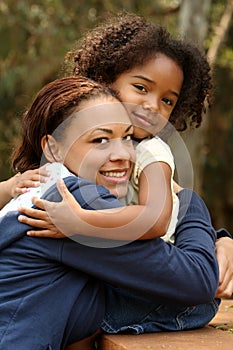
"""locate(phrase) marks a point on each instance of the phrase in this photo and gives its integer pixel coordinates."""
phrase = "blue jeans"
(128, 313)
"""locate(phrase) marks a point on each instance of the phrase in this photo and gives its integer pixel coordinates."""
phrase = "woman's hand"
(224, 252)
(30, 178)
(56, 220)
(20, 183)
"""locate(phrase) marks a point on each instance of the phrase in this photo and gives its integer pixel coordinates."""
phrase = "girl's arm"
(147, 220)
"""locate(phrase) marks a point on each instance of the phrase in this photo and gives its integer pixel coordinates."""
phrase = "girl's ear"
(51, 149)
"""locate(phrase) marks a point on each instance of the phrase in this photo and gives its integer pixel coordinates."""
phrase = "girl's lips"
(143, 119)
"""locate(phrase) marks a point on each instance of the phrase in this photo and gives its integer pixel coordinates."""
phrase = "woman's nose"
(121, 150)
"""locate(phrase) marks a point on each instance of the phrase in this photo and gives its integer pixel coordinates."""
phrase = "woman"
(44, 302)
(52, 291)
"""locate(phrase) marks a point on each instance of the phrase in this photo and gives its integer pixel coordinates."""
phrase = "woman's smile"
(104, 152)
(115, 175)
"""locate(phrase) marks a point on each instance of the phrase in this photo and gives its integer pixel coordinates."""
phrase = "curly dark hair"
(125, 41)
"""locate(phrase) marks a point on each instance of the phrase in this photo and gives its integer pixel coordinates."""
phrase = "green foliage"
(34, 35)
(225, 54)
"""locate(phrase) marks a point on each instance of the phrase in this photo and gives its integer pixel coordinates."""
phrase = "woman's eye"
(128, 138)
(140, 87)
(100, 140)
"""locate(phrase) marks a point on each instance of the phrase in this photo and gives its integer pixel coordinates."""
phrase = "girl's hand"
(224, 252)
(56, 220)
(39, 219)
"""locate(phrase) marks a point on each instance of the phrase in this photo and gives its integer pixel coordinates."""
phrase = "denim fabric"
(127, 313)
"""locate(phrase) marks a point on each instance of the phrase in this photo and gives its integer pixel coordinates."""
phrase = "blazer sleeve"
(185, 273)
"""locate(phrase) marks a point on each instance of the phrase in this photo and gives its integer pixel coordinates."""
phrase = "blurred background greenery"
(36, 35)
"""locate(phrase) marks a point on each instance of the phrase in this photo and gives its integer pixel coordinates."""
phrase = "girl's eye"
(140, 87)
(168, 101)
(100, 140)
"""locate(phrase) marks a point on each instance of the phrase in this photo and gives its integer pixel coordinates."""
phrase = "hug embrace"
(59, 292)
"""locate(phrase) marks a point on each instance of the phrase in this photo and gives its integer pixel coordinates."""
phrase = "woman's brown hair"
(54, 103)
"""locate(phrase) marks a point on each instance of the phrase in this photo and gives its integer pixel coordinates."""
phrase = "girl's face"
(97, 144)
(151, 92)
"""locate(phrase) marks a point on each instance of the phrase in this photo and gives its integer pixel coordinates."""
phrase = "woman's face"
(97, 144)
(151, 92)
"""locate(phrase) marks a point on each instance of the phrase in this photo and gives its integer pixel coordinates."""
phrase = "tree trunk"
(220, 32)
(193, 25)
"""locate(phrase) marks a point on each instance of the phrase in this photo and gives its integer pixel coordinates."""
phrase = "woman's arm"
(147, 220)
(224, 252)
(19, 183)
(5, 190)
(224, 245)
(186, 273)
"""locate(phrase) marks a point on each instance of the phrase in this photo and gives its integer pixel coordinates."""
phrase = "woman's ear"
(51, 149)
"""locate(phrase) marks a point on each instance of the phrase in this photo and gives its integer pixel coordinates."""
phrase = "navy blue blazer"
(52, 290)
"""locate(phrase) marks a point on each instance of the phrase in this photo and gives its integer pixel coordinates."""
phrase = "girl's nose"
(151, 104)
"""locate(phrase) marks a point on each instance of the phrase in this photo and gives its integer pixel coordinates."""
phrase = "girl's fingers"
(48, 229)
(45, 234)
(63, 190)
(51, 217)
(67, 197)
(34, 213)
(40, 203)
(33, 222)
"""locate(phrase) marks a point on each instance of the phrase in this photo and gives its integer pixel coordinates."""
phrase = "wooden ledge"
(218, 335)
